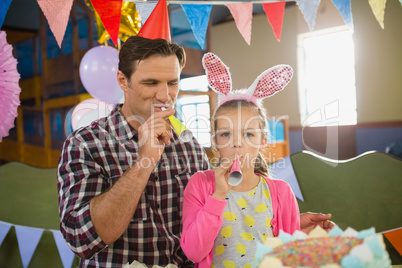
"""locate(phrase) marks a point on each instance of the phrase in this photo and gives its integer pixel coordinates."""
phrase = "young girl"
(221, 223)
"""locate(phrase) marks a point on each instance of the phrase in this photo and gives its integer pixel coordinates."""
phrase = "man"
(121, 179)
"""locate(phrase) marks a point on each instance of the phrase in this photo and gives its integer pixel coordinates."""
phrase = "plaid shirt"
(92, 160)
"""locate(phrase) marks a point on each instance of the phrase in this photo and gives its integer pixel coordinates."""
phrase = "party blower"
(184, 133)
(235, 176)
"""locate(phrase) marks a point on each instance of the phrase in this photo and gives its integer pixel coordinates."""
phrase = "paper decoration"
(395, 238)
(4, 5)
(198, 16)
(28, 239)
(57, 13)
(157, 24)
(66, 255)
(242, 14)
(378, 8)
(309, 11)
(145, 9)
(345, 8)
(283, 170)
(109, 12)
(275, 13)
(4, 228)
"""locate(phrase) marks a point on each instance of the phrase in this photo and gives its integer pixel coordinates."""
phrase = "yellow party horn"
(184, 133)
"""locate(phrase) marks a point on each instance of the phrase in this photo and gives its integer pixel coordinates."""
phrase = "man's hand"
(153, 135)
(309, 220)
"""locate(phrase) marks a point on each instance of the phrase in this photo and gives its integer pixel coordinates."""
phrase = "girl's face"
(238, 130)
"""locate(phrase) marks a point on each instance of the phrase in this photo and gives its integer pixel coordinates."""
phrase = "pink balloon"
(98, 70)
(88, 106)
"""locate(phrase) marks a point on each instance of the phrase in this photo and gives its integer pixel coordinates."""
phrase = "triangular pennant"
(242, 14)
(275, 13)
(309, 11)
(378, 8)
(4, 5)
(157, 24)
(345, 8)
(109, 12)
(66, 255)
(28, 239)
(144, 9)
(4, 228)
(57, 13)
(283, 170)
(198, 16)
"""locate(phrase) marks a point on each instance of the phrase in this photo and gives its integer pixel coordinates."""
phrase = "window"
(194, 107)
(327, 91)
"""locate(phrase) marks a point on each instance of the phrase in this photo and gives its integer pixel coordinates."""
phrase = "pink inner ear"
(273, 81)
(217, 73)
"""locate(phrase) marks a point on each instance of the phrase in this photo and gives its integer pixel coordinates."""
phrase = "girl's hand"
(222, 172)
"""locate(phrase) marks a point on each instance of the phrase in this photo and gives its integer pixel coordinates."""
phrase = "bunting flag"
(198, 16)
(4, 5)
(157, 24)
(283, 170)
(378, 8)
(144, 9)
(57, 13)
(66, 255)
(242, 14)
(109, 12)
(4, 228)
(28, 239)
(309, 11)
(345, 8)
(275, 13)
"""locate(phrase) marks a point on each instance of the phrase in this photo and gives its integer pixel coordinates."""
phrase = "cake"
(335, 249)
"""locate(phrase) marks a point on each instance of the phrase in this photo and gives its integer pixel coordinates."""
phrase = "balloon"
(157, 24)
(130, 22)
(68, 128)
(98, 71)
(97, 108)
(91, 116)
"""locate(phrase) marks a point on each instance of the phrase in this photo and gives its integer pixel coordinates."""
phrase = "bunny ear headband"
(267, 84)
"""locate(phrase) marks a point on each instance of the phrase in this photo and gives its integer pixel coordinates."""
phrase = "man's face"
(153, 85)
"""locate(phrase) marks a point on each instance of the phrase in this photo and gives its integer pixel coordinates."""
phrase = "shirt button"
(156, 178)
(157, 206)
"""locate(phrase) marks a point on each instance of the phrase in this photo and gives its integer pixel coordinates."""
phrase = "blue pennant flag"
(309, 11)
(4, 228)
(198, 16)
(66, 255)
(283, 170)
(345, 8)
(28, 239)
(145, 9)
(4, 5)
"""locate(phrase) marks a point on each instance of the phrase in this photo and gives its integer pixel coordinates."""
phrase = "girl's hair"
(261, 166)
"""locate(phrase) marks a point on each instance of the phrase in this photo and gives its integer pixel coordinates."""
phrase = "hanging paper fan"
(9, 88)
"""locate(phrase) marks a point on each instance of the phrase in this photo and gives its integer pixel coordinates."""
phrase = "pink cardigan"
(202, 215)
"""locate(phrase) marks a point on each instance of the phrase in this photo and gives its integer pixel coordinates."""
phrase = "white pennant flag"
(28, 239)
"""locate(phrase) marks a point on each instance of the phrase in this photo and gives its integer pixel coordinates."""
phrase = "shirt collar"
(122, 129)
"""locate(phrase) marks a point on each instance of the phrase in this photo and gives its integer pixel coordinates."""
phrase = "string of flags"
(57, 14)
(28, 239)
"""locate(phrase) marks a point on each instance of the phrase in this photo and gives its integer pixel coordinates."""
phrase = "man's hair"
(138, 48)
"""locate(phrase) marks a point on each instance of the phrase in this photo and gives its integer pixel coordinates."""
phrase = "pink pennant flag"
(57, 13)
(275, 13)
(378, 8)
(242, 14)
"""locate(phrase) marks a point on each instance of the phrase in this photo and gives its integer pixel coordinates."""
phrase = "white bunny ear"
(271, 81)
(217, 73)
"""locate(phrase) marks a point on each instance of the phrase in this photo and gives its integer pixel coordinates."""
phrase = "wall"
(378, 62)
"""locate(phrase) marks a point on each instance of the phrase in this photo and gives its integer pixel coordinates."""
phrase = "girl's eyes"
(247, 134)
